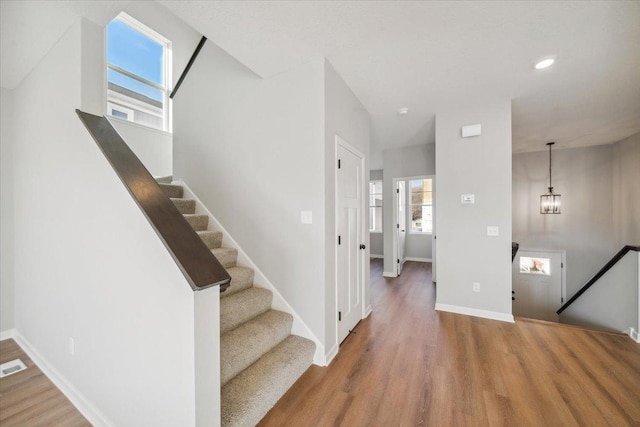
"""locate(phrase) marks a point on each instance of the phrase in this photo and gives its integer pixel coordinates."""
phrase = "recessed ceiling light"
(403, 111)
(544, 63)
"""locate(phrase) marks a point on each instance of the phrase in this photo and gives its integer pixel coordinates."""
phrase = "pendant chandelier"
(550, 202)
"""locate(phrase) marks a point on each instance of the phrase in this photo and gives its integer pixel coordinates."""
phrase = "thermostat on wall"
(471, 130)
(468, 199)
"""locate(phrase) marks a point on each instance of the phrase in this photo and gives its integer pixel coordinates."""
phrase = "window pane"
(420, 185)
(377, 187)
(139, 90)
(134, 52)
(422, 198)
(375, 219)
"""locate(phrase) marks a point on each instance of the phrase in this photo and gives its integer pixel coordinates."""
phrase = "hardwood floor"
(409, 365)
(29, 398)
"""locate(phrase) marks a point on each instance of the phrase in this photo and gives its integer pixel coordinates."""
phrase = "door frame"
(364, 185)
(408, 222)
(396, 199)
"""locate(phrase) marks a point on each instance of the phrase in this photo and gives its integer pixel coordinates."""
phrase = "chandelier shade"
(550, 203)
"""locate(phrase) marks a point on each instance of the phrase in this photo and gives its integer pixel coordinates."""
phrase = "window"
(421, 206)
(375, 206)
(138, 64)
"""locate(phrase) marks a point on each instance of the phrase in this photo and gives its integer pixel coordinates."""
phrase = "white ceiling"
(424, 56)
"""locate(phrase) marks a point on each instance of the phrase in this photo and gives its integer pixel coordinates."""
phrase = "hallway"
(409, 365)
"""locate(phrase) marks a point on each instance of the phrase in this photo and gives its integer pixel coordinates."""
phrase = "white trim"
(8, 334)
(368, 311)
(376, 256)
(475, 312)
(563, 260)
(389, 274)
(633, 334)
(260, 279)
(333, 352)
(82, 404)
(417, 259)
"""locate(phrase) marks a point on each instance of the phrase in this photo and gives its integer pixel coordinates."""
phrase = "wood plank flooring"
(29, 398)
(409, 365)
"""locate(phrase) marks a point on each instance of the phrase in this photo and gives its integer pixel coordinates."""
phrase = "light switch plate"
(306, 217)
(471, 130)
(493, 231)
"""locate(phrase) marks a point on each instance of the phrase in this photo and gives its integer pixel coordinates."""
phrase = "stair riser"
(243, 306)
(185, 206)
(198, 222)
(227, 258)
(173, 191)
(241, 279)
(213, 239)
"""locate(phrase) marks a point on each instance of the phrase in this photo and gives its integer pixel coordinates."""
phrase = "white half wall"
(153, 147)
(88, 265)
(6, 210)
(482, 166)
(253, 151)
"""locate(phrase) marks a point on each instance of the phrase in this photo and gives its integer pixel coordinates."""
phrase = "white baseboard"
(367, 311)
(375, 256)
(8, 334)
(633, 334)
(332, 354)
(417, 259)
(475, 312)
(86, 408)
(260, 280)
(389, 274)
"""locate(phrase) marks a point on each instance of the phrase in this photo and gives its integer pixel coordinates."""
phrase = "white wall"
(88, 265)
(153, 147)
(612, 302)
(626, 191)
(418, 160)
(480, 166)
(346, 117)
(376, 240)
(6, 210)
(253, 151)
(583, 176)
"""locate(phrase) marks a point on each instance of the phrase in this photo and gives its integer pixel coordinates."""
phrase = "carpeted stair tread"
(241, 279)
(164, 179)
(173, 191)
(243, 306)
(185, 206)
(213, 239)
(226, 256)
(197, 221)
(242, 346)
(248, 397)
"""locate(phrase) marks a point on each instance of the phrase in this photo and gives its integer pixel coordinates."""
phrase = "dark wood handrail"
(201, 268)
(188, 67)
(613, 261)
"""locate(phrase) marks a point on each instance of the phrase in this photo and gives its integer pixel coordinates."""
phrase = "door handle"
(402, 231)
(363, 247)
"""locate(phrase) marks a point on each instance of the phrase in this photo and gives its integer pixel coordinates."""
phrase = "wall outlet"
(476, 287)
(306, 217)
(72, 346)
(493, 231)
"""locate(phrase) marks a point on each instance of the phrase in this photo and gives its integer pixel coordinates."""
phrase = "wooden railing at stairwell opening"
(613, 261)
(198, 264)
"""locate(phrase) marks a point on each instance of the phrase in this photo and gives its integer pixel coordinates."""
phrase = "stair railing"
(613, 261)
(196, 261)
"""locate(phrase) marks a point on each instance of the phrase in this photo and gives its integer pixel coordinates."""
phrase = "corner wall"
(346, 117)
(465, 254)
(88, 265)
(6, 210)
(626, 191)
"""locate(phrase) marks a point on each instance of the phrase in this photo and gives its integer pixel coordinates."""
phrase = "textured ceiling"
(419, 55)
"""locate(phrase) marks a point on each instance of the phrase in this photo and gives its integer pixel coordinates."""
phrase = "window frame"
(167, 60)
(373, 181)
(411, 205)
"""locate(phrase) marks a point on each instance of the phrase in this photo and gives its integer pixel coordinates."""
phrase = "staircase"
(259, 358)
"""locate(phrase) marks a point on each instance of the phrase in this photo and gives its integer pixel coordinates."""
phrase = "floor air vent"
(12, 367)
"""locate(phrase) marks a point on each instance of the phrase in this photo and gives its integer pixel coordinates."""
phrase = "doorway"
(538, 284)
(401, 225)
(350, 227)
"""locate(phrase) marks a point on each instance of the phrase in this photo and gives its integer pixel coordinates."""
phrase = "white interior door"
(537, 284)
(401, 225)
(350, 251)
